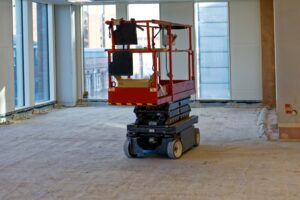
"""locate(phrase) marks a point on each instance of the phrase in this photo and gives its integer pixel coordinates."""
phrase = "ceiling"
(108, 1)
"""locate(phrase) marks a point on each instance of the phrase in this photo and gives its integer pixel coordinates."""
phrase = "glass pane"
(215, 91)
(40, 52)
(213, 12)
(18, 53)
(214, 75)
(213, 29)
(142, 66)
(143, 62)
(96, 40)
(213, 46)
(213, 59)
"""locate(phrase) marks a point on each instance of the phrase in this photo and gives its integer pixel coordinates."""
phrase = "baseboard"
(289, 133)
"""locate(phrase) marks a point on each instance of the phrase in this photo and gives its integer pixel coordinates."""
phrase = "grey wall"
(179, 13)
(121, 10)
(6, 58)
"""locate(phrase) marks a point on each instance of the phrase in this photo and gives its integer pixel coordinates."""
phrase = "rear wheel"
(128, 149)
(175, 149)
(197, 137)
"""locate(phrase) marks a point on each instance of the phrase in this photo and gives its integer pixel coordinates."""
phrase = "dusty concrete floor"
(76, 153)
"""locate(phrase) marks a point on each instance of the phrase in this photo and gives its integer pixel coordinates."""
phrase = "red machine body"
(152, 95)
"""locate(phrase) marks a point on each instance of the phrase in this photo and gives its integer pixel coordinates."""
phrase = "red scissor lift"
(163, 123)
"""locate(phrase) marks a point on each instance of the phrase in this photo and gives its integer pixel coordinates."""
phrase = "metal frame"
(176, 89)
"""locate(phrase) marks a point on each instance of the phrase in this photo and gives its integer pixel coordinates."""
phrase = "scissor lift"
(163, 122)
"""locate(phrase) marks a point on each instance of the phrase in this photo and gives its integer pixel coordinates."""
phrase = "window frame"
(19, 20)
(50, 54)
(197, 50)
(91, 82)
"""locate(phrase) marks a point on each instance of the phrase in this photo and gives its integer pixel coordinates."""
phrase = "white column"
(66, 71)
(7, 101)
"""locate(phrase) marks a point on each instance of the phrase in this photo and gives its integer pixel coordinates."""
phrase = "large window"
(41, 52)
(213, 50)
(18, 53)
(142, 63)
(96, 40)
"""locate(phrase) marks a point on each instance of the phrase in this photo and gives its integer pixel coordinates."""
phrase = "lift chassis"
(167, 130)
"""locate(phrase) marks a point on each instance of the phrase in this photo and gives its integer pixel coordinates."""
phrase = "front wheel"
(128, 149)
(175, 149)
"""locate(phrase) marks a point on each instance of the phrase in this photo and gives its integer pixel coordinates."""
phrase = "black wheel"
(128, 149)
(175, 149)
(197, 137)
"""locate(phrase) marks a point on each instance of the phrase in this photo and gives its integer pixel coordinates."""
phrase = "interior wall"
(121, 10)
(287, 48)
(6, 57)
(245, 45)
(180, 13)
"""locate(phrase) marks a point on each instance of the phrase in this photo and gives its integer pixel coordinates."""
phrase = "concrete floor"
(76, 153)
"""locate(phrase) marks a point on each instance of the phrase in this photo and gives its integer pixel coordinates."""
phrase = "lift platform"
(163, 122)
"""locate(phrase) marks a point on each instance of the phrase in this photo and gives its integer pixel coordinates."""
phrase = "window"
(18, 53)
(96, 40)
(143, 62)
(41, 52)
(213, 50)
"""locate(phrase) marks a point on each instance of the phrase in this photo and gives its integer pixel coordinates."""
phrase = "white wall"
(6, 58)
(245, 45)
(287, 48)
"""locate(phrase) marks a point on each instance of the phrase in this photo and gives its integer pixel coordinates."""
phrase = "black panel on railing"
(122, 64)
